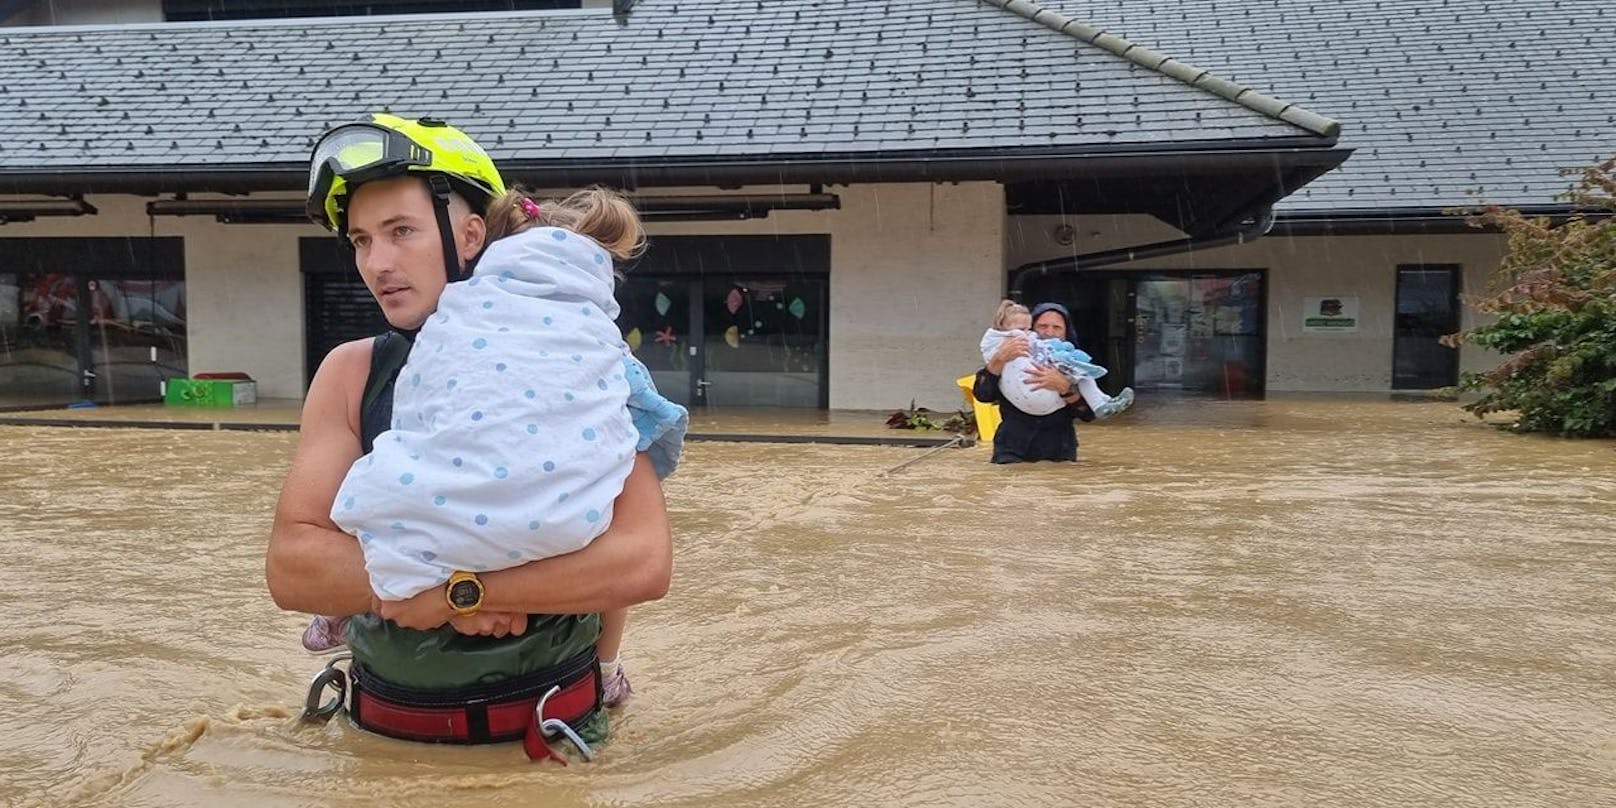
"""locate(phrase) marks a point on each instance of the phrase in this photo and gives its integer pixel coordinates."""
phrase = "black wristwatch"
(464, 593)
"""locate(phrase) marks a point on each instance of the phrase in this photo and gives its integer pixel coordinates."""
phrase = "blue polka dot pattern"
(348, 504)
(428, 555)
(567, 396)
(577, 357)
(482, 519)
(457, 462)
(599, 259)
(513, 555)
(500, 366)
(479, 343)
(532, 429)
(477, 416)
(589, 433)
(439, 500)
(549, 465)
(488, 304)
(530, 393)
(558, 235)
(549, 320)
(601, 383)
(450, 385)
(415, 381)
(533, 525)
(501, 473)
(406, 478)
(593, 516)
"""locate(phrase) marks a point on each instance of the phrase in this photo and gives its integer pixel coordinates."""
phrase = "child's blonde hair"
(597, 212)
(1007, 309)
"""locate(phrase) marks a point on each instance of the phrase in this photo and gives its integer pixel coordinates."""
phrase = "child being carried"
(1014, 320)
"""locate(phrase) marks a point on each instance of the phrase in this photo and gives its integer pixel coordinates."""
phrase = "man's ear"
(473, 231)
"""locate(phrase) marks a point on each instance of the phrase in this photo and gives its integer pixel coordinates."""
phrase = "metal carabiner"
(333, 677)
(553, 727)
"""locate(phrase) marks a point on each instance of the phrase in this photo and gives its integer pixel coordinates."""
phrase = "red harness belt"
(478, 720)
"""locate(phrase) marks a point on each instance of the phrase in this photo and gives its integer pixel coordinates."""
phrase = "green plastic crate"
(183, 392)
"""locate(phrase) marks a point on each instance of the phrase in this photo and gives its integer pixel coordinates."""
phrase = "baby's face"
(1018, 322)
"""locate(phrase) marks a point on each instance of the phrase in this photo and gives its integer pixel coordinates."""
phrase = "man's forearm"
(317, 570)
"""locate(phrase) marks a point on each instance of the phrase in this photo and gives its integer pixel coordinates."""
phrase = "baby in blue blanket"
(517, 418)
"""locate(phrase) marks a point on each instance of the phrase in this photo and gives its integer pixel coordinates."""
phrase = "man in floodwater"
(1021, 436)
(469, 661)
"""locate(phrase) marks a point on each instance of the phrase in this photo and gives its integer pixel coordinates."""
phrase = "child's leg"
(610, 643)
(614, 681)
(1091, 392)
(1107, 406)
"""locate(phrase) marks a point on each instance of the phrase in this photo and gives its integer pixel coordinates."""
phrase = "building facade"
(838, 193)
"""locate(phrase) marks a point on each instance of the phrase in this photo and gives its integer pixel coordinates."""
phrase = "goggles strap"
(440, 203)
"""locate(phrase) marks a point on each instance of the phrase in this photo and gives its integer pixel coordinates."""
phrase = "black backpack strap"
(388, 352)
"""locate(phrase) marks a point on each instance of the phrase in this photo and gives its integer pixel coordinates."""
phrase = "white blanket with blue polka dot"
(511, 434)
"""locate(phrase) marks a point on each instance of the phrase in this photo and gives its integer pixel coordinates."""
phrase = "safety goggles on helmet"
(351, 155)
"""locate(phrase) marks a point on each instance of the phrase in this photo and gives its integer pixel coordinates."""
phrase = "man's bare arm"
(312, 566)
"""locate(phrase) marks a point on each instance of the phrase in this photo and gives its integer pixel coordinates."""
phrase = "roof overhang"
(1412, 221)
(1198, 193)
(1191, 185)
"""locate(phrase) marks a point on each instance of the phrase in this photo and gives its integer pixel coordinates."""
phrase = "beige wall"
(244, 296)
(1298, 267)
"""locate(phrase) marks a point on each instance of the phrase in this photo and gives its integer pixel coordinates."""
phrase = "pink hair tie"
(529, 207)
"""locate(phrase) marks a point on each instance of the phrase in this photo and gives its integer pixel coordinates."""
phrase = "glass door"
(655, 322)
(1200, 333)
(763, 342)
(1427, 310)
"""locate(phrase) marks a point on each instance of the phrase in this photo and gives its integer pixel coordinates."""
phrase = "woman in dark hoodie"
(1022, 437)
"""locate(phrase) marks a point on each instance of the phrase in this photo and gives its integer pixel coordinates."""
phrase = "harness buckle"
(551, 728)
(331, 677)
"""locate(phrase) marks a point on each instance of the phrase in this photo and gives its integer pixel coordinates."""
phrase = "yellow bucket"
(987, 415)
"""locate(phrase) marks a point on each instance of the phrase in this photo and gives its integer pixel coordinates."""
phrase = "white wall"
(1298, 267)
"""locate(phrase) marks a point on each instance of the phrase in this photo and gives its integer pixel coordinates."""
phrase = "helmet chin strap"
(439, 184)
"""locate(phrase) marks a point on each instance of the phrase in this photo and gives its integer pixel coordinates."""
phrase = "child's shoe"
(325, 635)
(1118, 403)
(615, 689)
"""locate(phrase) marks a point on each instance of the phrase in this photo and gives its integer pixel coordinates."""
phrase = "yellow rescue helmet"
(389, 146)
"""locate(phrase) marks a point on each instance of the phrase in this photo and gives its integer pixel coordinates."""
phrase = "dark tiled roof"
(681, 79)
(1442, 98)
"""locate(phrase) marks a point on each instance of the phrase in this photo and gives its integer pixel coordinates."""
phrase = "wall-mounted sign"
(1330, 315)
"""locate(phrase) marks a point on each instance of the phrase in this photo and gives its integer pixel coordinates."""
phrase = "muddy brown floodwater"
(1347, 602)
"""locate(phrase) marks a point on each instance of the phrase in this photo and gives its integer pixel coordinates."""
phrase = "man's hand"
(1008, 350)
(1048, 378)
(491, 624)
(423, 612)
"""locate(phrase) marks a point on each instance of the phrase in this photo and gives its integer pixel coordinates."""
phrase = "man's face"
(1050, 325)
(394, 233)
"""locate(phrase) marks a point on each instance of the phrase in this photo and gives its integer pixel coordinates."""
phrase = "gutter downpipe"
(1250, 232)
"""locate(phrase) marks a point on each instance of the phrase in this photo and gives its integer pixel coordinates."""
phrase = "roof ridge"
(1185, 72)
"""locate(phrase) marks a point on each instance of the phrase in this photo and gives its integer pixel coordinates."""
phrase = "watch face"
(464, 594)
